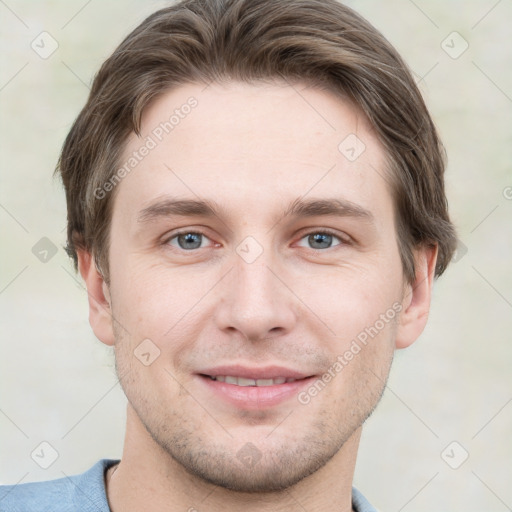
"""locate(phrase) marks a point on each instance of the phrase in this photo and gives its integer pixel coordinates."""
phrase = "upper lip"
(247, 372)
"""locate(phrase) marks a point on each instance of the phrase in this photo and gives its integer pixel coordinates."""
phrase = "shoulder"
(80, 493)
(35, 496)
(360, 503)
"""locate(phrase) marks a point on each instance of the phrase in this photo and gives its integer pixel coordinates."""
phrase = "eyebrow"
(170, 206)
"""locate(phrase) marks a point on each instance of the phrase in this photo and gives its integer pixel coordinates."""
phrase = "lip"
(254, 397)
(266, 372)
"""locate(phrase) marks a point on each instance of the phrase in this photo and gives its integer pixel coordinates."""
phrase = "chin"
(273, 473)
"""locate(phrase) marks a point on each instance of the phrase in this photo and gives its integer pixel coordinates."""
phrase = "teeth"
(245, 382)
(266, 382)
(281, 380)
(242, 381)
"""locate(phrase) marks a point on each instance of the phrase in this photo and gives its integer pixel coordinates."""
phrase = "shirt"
(85, 493)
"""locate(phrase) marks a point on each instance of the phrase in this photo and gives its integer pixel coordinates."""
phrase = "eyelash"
(323, 231)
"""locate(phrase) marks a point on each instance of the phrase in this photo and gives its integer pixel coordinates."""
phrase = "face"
(250, 248)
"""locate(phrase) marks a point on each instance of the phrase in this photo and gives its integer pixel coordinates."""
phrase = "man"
(256, 205)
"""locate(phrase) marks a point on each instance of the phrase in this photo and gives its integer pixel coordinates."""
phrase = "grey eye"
(188, 241)
(321, 240)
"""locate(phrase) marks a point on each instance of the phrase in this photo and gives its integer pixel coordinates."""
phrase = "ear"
(100, 313)
(416, 299)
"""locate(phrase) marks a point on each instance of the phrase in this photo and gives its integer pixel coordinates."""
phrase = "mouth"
(243, 381)
(253, 388)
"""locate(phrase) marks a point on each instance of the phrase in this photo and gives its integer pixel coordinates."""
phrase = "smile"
(244, 392)
(243, 381)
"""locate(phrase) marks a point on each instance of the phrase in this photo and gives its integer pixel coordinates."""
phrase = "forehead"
(244, 144)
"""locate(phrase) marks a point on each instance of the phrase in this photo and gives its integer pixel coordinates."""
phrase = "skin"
(253, 149)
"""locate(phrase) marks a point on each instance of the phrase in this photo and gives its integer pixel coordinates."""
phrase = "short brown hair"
(321, 42)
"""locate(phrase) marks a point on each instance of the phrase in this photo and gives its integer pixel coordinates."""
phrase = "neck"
(148, 478)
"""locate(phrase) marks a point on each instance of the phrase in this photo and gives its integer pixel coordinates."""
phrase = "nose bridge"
(254, 283)
(255, 301)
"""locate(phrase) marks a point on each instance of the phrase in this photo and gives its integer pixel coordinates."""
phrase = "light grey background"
(454, 384)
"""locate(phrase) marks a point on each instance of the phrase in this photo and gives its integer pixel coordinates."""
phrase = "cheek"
(364, 361)
(362, 310)
(350, 299)
(144, 296)
(161, 305)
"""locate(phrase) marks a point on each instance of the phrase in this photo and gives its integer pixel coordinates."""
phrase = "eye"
(191, 240)
(187, 240)
(322, 239)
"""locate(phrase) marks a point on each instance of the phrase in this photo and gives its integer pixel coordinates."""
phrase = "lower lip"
(255, 397)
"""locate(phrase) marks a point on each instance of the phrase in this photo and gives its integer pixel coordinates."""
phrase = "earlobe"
(416, 300)
(100, 314)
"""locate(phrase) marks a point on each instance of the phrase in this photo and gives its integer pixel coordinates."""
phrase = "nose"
(256, 300)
